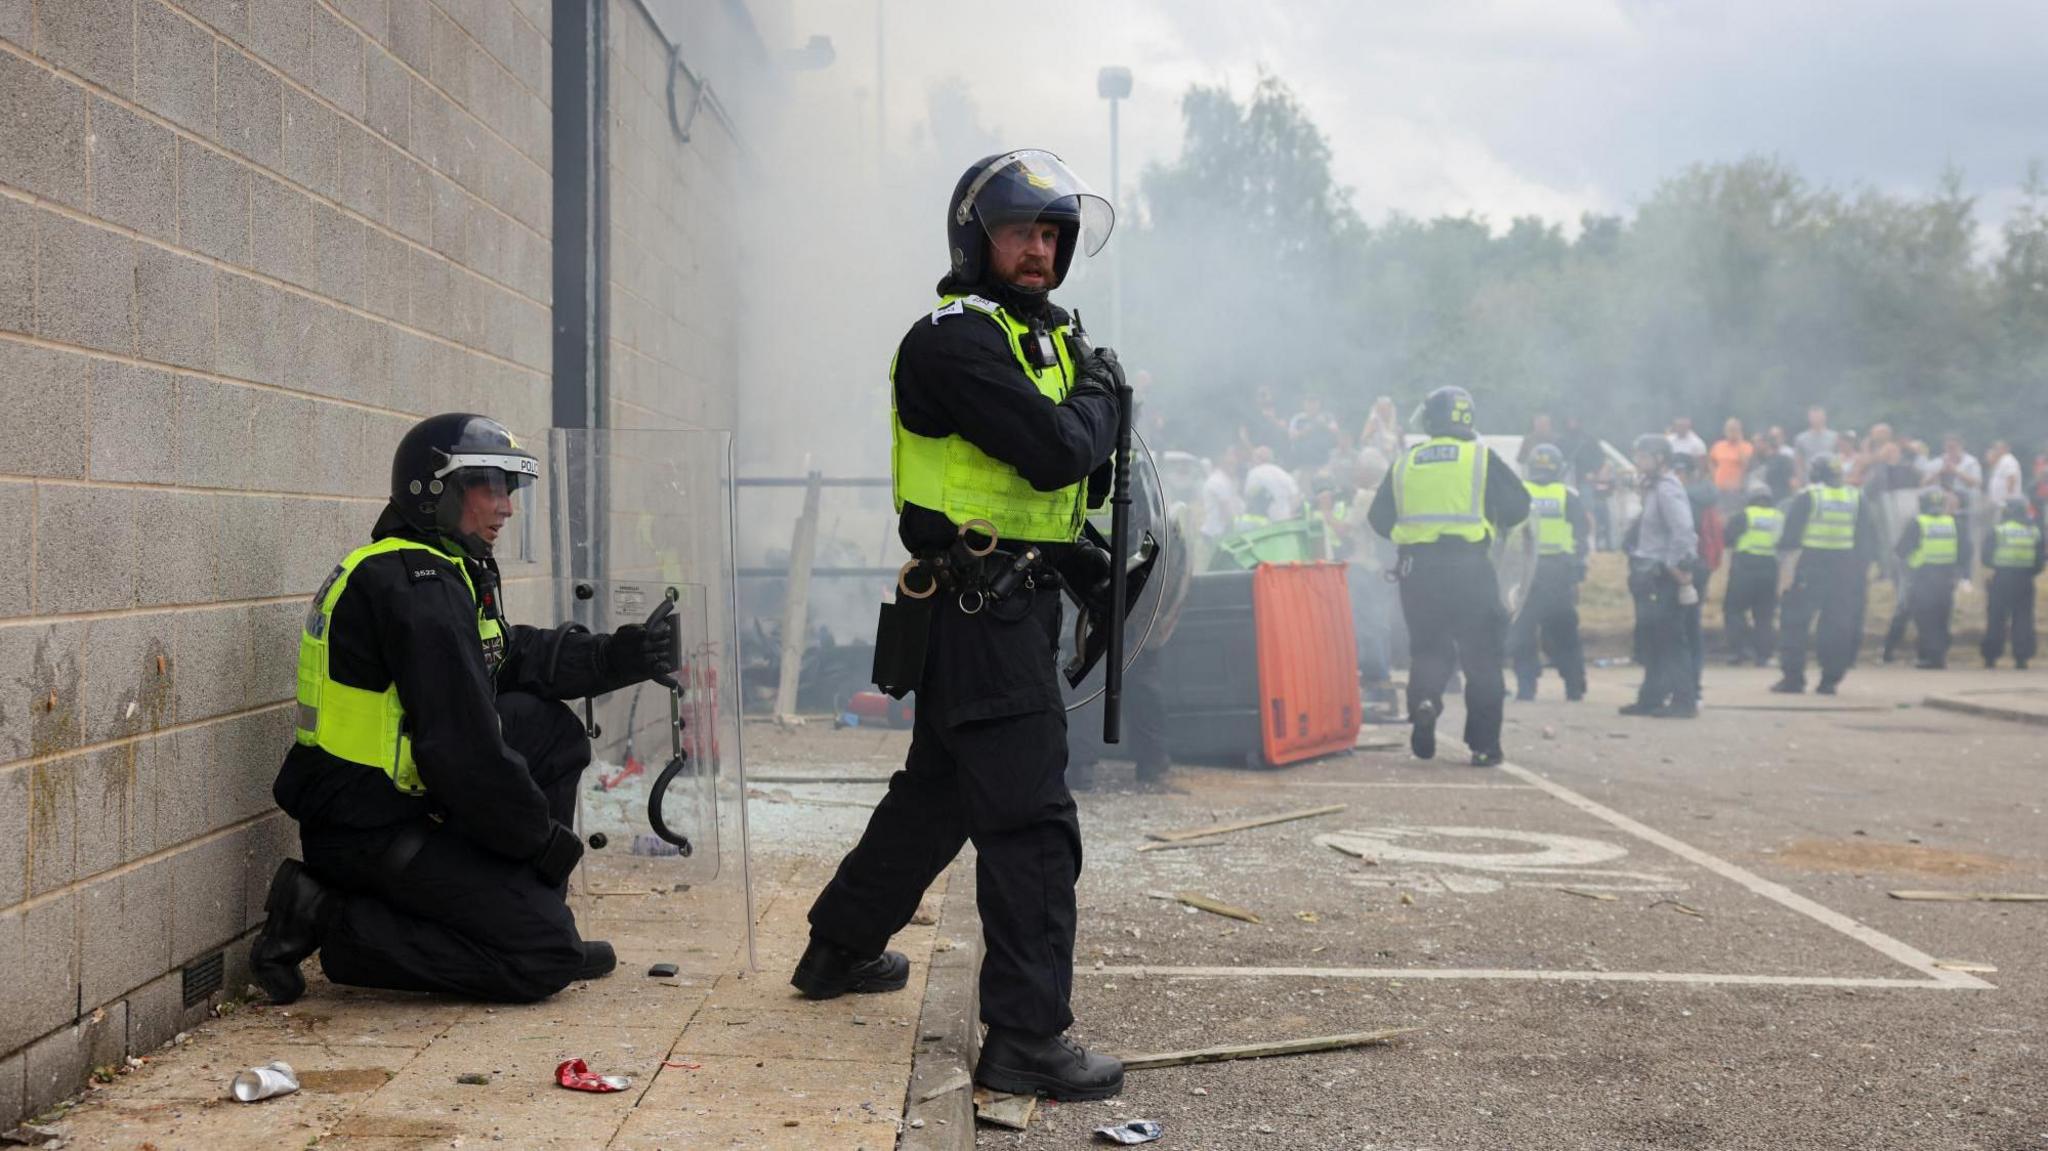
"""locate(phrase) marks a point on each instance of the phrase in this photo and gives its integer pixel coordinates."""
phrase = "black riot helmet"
(1823, 472)
(2016, 509)
(1018, 188)
(444, 456)
(1448, 411)
(1546, 463)
(1933, 502)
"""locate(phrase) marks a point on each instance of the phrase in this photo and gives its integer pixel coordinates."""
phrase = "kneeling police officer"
(435, 767)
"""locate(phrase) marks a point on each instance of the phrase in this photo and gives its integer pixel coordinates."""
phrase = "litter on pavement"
(1130, 1134)
(266, 1082)
(576, 1075)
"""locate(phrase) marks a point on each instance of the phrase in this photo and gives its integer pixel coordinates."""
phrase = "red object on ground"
(632, 768)
(576, 1075)
(873, 705)
(1308, 660)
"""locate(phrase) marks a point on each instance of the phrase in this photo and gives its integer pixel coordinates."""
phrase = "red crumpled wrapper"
(576, 1075)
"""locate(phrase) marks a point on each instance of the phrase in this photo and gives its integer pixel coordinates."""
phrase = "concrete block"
(412, 34)
(174, 67)
(432, 283)
(39, 951)
(88, 556)
(267, 842)
(94, 38)
(46, 427)
(17, 525)
(157, 1011)
(176, 779)
(336, 68)
(384, 282)
(275, 632)
(14, 1068)
(412, 199)
(251, 104)
(104, 790)
(452, 209)
(59, 1062)
(42, 132)
(17, 23)
(85, 285)
(247, 751)
(178, 567)
(256, 332)
(127, 676)
(279, 32)
(208, 896)
(279, 437)
(213, 434)
(321, 364)
(365, 173)
(280, 231)
(388, 94)
(213, 203)
(52, 824)
(528, 264)
(228, 17)
(134, 171)
(174, 309)
(40, 665)
(456, 59)
(215, 663)
(336, 455)
(312, 147)
(368, 15)
(249, 529)
(17, 266)
(134, 410)
(339, 255)
(13, 835)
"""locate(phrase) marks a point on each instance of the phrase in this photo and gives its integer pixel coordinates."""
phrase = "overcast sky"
(1501, 108)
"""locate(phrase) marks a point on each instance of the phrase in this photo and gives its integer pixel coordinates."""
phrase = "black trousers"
(987, 763)
(1932, 603)
(1548, 628)
(1662, 643)
(1750, 606)
(1828, 587)
(2009, 612)
(457, 918)
(1451, 601)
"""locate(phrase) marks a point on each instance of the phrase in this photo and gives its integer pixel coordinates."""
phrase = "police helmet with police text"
(1933, 501)
(1546, 463)
(443, 457)
(1020, 187)
(1824, 470)
(2016, 509)
(1448, 411)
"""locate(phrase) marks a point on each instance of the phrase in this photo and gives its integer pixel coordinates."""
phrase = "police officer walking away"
(435, 769)
(1834, 531)
(1750, 605)
(1661, 558)
(1446, 500)
(1932, 547)
(1548, 625)
(1001, 418)
(2014, 553)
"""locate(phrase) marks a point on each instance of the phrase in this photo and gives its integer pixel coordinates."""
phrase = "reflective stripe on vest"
(1937, 547)
(953, 477)
(1555, 533)
(2015, 544)
(1440, 492)
(1760, 532)
(1831, 524)
(353, 723)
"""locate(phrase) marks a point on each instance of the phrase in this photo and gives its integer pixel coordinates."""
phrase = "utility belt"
(976, 577)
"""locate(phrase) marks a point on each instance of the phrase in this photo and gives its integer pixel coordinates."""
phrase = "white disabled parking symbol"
(1481, 860)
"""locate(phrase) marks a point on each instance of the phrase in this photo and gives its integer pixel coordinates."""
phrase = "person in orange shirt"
(1730, 456)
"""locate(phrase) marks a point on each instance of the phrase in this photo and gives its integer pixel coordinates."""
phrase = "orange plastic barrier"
(1308, 660)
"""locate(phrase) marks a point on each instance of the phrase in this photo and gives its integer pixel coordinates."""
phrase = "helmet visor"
(511, 470)
(1031, 186)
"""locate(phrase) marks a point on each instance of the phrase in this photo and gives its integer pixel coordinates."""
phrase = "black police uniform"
(1930, 597)
(1831, 585)
(2009, 603)
(1749, 607)
(988, 750)
(1450, 598)
(439, 892)
(1548, 624)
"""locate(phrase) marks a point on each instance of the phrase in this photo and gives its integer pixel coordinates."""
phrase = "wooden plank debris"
(1012, 1111)
(1582, 893)
(1263, 1050)
(1972, 896)
(1214, 907)
(947, 1088)
(1179, 846)
(1245, 824)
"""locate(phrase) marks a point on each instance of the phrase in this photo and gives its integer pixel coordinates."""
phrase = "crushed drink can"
(1132, 1133)
(266, 1082)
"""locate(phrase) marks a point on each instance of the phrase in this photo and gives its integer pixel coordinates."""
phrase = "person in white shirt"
(2006, 483)
(1685, 441)
(1222, 503)
(1268, 490)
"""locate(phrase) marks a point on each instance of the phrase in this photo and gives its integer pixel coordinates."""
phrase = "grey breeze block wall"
(243, 244)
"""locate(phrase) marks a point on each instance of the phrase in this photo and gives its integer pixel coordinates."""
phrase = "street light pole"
(1114, 84)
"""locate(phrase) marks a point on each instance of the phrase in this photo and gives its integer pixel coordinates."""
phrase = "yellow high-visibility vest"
(2015, 543)
(1761, 530)
(1937, 545)
(1556, 535)
(1440, 492)
(1831, 523)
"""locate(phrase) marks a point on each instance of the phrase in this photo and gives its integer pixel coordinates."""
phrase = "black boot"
(294, 909)
(828, 971)
(1054, 1066)
(1790, 685)
(598, 960)
(1422, 740)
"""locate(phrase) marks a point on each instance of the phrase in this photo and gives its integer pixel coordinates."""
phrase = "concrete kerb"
(1986, 710)
(948, 1028)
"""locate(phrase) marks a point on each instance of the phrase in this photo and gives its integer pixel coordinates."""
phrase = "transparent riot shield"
(1514, 566)
(639, 525)
(1158, 555)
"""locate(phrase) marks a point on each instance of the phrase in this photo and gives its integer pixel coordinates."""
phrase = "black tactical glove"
(648, 650)
(1101, 369)
(1086, 571)
(558, 856)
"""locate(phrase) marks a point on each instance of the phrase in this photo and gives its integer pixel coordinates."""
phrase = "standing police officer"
(1000, 421)
(435, 770)
(1548, 624)
(2014, 552)
(1835, 533)
(1933, 549)
(1445, 502)
(1750, 604)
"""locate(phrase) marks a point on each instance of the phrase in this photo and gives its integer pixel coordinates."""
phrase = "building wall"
(242, 246)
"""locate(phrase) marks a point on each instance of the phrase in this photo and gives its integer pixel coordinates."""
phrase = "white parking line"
(1695, 978)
